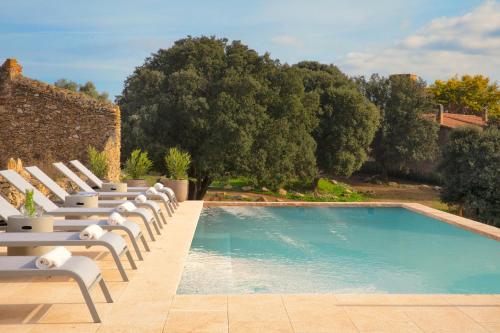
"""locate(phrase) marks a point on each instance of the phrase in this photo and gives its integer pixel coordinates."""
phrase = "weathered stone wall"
(40, 123)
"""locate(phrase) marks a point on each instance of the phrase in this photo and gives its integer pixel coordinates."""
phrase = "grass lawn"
(345, 190)
(352, 189)
(235, 189)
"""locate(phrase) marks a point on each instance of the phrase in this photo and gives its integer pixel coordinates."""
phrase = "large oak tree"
(235, 111)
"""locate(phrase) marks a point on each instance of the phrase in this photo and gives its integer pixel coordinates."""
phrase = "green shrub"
(29, 204)
(98, 162)
(138, 164)
(177, 162)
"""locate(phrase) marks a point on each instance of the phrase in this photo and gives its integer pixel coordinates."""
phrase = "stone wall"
(40, 123)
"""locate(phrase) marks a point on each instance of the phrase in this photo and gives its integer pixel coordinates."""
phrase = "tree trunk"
(192, 190)
(202, 189)
(315, 182)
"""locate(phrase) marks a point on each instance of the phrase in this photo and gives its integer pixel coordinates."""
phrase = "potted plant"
(137, 166)
(98, 162)
(177, 162)
(31, 220)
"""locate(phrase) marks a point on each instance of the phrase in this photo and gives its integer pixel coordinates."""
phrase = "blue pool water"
(338, 250)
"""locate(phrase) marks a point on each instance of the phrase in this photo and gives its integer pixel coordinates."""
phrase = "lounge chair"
(111, 241)
(132, 229)
(52, 209)
(82, 269)
(98, 183)
(86, 188)
(62, 194)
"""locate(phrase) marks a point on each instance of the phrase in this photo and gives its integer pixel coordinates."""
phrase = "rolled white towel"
(141, 198)
(54, 258)
(158, 186)
(116, 219)
(92, 232)
(126, 207)
(151, 191)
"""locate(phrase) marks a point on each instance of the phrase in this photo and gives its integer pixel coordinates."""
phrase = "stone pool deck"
(148, 303)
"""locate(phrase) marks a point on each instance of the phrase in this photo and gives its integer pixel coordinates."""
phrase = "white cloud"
(444, 47)
(287, 41)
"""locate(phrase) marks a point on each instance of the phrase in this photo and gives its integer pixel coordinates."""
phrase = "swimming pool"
(239, 250)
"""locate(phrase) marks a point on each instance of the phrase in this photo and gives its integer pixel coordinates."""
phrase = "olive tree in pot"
(31, 220)
(177, 162)
(137, 166)
(98, 162)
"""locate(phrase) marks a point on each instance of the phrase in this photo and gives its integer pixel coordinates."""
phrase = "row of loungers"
(67, 232)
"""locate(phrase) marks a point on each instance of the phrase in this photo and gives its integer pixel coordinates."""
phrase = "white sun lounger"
(114, 243)
(98, 183)
(129, 195)
(62, 194)
(82, 269)
(52, 209)
(132, 229)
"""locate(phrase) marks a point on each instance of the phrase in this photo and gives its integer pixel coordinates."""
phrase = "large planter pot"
(82, 200)
(137, 183)
(180, 188)
(21, 223)
(115, 187)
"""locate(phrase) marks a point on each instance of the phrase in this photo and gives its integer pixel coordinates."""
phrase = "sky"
(103, 41)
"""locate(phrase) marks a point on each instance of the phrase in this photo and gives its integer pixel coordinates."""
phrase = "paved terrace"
(148, 302)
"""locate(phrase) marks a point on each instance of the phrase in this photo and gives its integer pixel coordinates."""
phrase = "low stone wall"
(41, 123)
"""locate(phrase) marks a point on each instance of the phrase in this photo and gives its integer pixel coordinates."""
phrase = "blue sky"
(103, 41)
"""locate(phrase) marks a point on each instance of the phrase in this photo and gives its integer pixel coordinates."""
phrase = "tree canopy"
(471, 173)
(88, 89)
(405, 135)
(233, 110)
(347, 120)
(468, 94)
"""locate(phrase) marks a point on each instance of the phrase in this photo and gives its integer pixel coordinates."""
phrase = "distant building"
(447, 122)
(413, 77)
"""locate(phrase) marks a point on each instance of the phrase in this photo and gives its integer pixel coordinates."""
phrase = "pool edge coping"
(461, 222)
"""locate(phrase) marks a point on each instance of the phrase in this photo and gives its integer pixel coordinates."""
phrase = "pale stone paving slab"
(148, 303)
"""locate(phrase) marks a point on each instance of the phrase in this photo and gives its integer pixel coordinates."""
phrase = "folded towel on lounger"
(54, 258)
(92, 232)
(141, 198)
(115, 219)
(126, 207)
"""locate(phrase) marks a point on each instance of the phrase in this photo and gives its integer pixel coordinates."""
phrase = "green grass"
(326, 191)
(238, 182)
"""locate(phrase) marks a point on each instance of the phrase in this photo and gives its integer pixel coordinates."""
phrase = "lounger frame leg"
(145, 243)
(88, 301)
(105, 291)
(130, 259)
(157, 219)
(136, 247)
(119, 264)
(133, 240)
(164, 219)
(157, 229)
(150, 232)
(170, 210)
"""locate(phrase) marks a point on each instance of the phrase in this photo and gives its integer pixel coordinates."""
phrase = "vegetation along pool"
(336, 250)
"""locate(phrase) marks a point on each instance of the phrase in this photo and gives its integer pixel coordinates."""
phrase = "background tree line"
(88, 89)
(240, 113)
